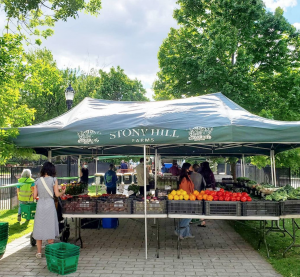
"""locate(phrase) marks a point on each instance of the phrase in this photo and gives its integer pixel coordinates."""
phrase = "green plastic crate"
(62, 266)
(62, 250)
(62, 247)
(28, 210)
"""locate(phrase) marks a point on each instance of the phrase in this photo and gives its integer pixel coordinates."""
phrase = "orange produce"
(210, 198)
(202, 192)
(199, 197)
(205, 196)
(192, 197)
(196, 192)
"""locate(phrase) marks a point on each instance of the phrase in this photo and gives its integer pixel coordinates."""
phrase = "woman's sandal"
(38, 255)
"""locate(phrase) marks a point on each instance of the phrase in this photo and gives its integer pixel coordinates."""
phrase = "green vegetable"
(269, 198)
(134, 188)
(279, 195)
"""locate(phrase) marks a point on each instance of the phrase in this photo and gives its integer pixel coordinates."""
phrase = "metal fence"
(284, 176)
(10, 175)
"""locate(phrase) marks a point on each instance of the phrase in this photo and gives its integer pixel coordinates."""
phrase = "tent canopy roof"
(206, 125)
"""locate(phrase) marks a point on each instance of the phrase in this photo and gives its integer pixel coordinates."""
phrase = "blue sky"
(127, 33)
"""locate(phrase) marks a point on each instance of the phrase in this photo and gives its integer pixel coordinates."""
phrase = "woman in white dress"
(45, 221)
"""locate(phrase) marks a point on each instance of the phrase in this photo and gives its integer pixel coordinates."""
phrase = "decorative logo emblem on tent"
(200, 133)
(88, 137)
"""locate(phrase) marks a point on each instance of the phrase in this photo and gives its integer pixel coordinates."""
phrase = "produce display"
(284, 193)
(154, 205)
(80, 205)
(209, 195)
(113, 203)
(74, 188)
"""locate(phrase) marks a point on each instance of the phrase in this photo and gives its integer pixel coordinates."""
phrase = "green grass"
(16, 229)
(288, 266)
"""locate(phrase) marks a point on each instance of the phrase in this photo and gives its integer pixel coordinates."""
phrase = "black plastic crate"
(261, 208)
(114, 206)
(79, 206)
(290, 207)
(154, 207)
(185, 207)
(225, 208)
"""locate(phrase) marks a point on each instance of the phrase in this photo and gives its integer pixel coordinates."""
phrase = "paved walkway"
(217, 250)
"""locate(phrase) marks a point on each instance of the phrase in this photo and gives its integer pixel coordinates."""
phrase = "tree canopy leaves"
(25, 17)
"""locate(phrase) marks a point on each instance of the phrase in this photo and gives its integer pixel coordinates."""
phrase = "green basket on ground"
(4, 227)
(28, 210)
(62, 266)
(62, 258)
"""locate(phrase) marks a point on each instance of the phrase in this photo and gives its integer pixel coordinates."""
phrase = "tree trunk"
(233, 170)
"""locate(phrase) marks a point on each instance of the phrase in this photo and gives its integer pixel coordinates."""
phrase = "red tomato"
(249, 198)
(238, 199)
(222, 190)
(233, 199)
(213, 193)
(221, 198)
(216, 198)
(227, 198)
(244, 199)
(234, 194)
(245, 194)
(238, 194)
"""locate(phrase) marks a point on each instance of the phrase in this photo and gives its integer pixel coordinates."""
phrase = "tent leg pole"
(96, 165)
(271, 159)
(145, 203)
(244, 168)
(49, 155)
(274, 168)
(156, 169)
(78, 167)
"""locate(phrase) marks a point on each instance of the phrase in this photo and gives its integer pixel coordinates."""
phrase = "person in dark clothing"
(164, 169)
(174, 169)
(208, 176)
(84, 174)
(110, 179)
(124, 167)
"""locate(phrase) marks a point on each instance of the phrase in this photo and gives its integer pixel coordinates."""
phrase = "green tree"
(13, 113)
(44, 86)
(116, 85)
(26, 17)
(236, 47)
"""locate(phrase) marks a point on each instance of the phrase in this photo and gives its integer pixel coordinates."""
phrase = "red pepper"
(245, 194)
(233, 199)
(249, 199)
(227, 198)
(238, 199)
(238, 194)
(234, 194)
(244, 199)
(216, 198)
(222, 190)
(221, 198)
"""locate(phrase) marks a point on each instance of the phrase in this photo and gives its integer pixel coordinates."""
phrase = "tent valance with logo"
(206, 125)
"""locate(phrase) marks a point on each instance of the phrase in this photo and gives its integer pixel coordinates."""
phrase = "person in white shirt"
(140, 176)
